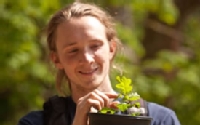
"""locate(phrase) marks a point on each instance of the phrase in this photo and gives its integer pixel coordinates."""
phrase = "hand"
(95, 99)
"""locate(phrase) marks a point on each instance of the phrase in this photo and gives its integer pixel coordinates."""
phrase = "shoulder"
(32, 118)
(162, 115)
(53, 105)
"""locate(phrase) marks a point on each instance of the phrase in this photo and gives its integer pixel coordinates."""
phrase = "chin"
(92, 86)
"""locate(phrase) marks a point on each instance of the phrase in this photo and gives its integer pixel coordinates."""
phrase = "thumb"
(93, 110)
(114, 104)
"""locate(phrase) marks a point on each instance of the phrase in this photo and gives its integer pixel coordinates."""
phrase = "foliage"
(127, 99)
(25, 75)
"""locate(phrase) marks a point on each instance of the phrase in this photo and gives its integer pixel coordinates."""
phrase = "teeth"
(89, 71)
(94, 66)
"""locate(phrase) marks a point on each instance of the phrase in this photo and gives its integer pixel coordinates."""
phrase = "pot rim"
(123, 115)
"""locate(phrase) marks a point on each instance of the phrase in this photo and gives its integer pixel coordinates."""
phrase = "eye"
(74, 50)
(95, 46)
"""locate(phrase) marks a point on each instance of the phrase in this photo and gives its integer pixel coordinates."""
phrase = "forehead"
(81, 28)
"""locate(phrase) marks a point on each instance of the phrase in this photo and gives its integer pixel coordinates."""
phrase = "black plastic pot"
(114, 119)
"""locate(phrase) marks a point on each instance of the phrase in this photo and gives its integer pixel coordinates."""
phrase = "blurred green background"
(161, 53)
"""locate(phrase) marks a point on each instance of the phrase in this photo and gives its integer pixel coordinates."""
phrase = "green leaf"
(137, 104)
(135, 114)
(107, 110)
(123, 106)
(134, 97)
(124, 85)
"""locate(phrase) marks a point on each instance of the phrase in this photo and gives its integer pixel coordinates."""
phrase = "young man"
(82, 43)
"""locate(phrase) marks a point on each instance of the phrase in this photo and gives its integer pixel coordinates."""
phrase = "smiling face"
(84, 52)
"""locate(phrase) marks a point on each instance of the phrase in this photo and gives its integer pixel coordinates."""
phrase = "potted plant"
(127, 112)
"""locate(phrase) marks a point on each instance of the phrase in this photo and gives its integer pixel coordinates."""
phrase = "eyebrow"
(96, 40)
(69, 44)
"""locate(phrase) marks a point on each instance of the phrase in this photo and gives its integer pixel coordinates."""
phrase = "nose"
(87, 57)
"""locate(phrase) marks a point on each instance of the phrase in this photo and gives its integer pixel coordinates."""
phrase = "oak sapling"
(128, 100)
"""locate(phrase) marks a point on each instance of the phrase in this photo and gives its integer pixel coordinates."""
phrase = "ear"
(55, 59)
(113, 48)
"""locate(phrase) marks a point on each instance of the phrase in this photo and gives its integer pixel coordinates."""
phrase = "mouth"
(88, 72)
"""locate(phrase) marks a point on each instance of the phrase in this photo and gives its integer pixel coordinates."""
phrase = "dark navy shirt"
(160, 116)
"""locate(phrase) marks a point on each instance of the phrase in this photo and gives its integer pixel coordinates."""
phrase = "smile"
(88, 72)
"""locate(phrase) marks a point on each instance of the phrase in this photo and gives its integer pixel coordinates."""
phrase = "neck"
(78, 92)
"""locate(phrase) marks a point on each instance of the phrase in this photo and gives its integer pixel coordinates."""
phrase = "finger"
(93, 110)
(111, 94)
(104, 97)
(80, 99)
(114, 104)
(94, 103)
(94, 96)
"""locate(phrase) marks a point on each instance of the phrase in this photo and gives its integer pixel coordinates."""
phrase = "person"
(83, 43)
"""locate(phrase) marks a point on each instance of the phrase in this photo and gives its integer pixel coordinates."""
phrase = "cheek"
(67, 59)
(102, 55)
(69, 67)
(68, 63)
